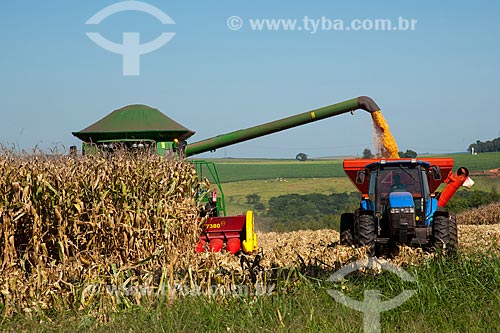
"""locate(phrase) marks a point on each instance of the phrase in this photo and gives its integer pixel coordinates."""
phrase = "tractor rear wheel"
(453, 246)
(445, 234)
(364, 233)
(346, 229)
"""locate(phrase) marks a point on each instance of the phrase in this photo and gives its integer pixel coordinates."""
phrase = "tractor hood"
(401, 199)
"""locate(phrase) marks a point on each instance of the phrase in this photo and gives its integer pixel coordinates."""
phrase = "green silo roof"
(137, 121)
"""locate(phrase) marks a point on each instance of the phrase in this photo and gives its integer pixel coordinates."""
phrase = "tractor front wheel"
(364, 232)
(445, 234)
(346, 229)
(453, 233)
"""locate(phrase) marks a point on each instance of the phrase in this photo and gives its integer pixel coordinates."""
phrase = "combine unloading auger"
(211, 144)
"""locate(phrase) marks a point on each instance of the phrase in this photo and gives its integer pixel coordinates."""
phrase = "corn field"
(489, 214)
(72, 227)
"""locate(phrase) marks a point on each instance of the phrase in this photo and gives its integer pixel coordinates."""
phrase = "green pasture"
(270, 178)
(234, 170)
(236, 192)
(475, 163)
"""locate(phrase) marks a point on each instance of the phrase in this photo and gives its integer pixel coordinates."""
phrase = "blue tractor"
(400, 204)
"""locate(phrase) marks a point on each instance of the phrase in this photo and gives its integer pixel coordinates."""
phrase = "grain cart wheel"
(347, 229)
(364, 233)
(444, 233)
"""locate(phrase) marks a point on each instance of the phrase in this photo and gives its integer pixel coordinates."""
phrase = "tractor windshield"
(399, 180)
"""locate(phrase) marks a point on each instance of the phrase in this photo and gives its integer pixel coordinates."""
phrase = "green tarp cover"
(134, 122)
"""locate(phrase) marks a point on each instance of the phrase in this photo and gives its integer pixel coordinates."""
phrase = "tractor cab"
(400, 187)
(400, 198)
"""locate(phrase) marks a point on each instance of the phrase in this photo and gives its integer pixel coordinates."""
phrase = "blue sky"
(437, 86)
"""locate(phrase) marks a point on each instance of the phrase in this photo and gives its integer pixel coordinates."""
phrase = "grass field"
(270, 178)
(236, 192)
(231, 170)
(459, 295)
(479, 162)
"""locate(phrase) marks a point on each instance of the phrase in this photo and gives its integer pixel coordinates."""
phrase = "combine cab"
(232, 233)
(400, 204)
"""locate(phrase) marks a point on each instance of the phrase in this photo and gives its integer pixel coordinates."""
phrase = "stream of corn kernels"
(384, 141)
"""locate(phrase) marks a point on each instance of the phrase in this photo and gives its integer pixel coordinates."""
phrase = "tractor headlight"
(404, 210)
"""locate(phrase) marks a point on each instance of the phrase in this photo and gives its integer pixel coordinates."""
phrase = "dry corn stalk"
(71, 228)
(489, 214)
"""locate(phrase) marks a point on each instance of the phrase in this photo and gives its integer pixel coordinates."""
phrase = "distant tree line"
(465, 200)
(367, 153)
(301, 157)
(309, 211)
(254, 200)
(485, 147)
(407, 154)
